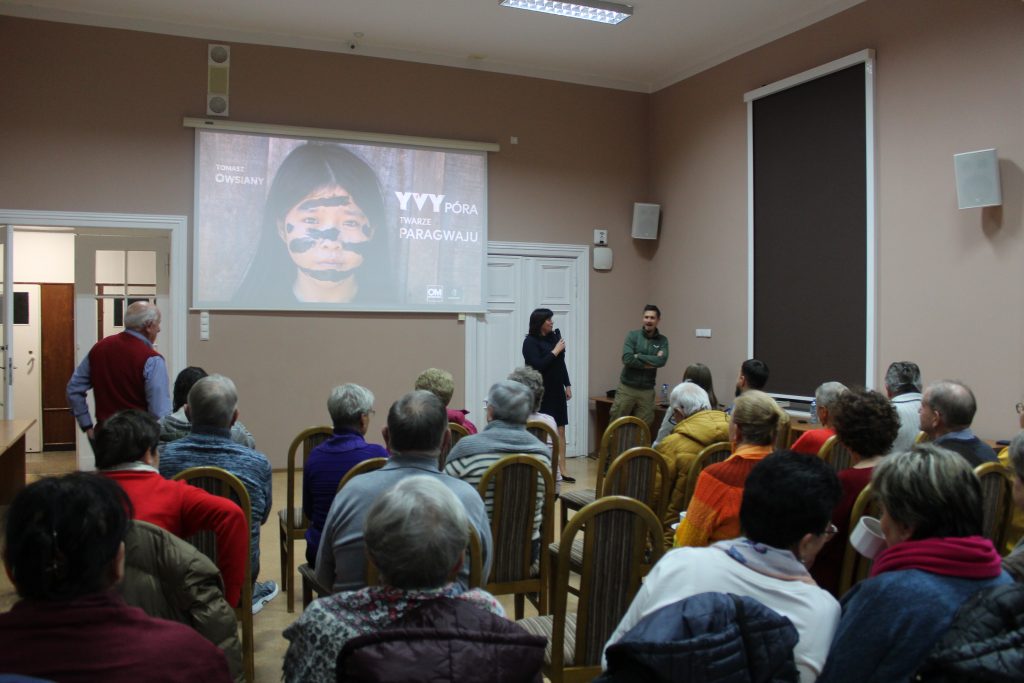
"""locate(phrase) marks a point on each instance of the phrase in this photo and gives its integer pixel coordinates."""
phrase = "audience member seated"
(168, 578)
(1015, 534)
(699, 374)
(714, 511)
(416, 431)
(1014, 455)
(935, 560)
(350, 407)
(903, 387)
(825, 397)
(534, 381)
(126, 452)
(866, 423)
(416, 534)
(441, 384)
(508, 406)
(947, 410)
(213, 407)
(177, 426)
(753, 375)
(696, 427)
(787, 504)
(64, 551)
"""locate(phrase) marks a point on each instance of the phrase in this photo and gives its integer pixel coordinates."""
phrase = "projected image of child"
(320, 240)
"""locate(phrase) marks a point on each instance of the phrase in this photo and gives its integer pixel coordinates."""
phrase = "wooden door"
(58, 342)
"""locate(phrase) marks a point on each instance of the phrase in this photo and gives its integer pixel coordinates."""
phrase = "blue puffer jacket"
(711, 637)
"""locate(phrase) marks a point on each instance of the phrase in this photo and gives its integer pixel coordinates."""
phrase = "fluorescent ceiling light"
(591, 10)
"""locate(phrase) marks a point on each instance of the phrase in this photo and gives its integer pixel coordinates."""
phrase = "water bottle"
(664, 394)
(814, 412)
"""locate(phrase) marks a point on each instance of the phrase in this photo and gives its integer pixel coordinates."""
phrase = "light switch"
(204, 326)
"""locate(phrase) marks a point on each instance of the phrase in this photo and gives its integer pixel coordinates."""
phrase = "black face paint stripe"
(301, 245)
(325, 234)
(338, 200)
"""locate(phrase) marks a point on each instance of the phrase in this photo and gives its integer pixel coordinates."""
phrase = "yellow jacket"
(1016, 529)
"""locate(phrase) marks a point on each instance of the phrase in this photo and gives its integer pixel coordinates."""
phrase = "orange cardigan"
(714, 512)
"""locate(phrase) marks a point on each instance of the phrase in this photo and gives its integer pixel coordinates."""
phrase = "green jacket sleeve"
(654, 359)
(630, 351)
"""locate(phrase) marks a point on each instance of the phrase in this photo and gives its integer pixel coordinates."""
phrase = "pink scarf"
(967, 557)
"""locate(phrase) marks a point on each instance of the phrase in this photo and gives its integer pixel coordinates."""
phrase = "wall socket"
(601, 238)
(703, 332)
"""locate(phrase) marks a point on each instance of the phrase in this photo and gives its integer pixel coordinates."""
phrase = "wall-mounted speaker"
(977, 179)
(218, 63)
(645, 221)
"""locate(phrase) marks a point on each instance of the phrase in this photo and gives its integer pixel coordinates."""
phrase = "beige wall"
(949, 292)
(92, 122)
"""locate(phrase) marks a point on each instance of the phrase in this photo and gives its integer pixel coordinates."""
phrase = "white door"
(517, 283)
(27, 359)
(110, 273)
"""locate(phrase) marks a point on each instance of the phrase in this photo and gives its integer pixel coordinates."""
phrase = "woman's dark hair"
(310, 167)
(124, 437)
(62, 533)
(865, 422)
(786, 496)
(183, 384)
(537, 319)
(700, 374)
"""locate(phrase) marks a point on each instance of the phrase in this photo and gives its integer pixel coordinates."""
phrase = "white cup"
(682, 516)
(867, 537)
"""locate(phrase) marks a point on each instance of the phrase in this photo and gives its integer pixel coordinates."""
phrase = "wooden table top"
(12, 430)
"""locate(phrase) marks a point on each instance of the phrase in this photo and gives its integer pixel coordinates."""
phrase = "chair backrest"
(921, 438)
(621, 435)
(640, 473)
(997, 501)
(517, 482)
(855, 566)
(457, 431)
(621, 543)
(835, 453)
(306, 440)
(362, 467)
(709, 455)
(547, 435)
(782, 432)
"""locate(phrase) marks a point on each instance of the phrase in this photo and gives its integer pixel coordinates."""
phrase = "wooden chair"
(782, 432)
(622, 434)
(835, 453)
(368, 465)
(547, 435)
(457, 432)
(640, 473)
(709, 455)
(997, 501)
(855, 566)
(514, 483)
(292, 521)
(220, 482)
(621, 534)
(921, 438)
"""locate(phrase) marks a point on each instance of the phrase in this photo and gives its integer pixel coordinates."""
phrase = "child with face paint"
(322, 213)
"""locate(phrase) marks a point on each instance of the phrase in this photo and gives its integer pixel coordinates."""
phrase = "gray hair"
(1016, 452)
(510, 401)
(953, 401)
(140, 314)
(931, 490)
(212, 402)
(689, 398)
(348, 403)
(416, 532)
(828, 393)
(417, 423)
(532, 380)
(902, 373)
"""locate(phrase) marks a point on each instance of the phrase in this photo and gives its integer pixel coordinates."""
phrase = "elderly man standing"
(643, 352)
(903, 387)
(509, 404)
(123, 370)
(350, 407)
(947, 410)
(416, 432)
(697, 427)
(212, 408)
(825, 397)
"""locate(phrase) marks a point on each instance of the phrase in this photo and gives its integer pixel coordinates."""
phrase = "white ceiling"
(663, 42)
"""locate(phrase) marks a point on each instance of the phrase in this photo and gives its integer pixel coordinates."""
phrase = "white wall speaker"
(977, 179)
(603, 258)
(645, 221)
(218, 63)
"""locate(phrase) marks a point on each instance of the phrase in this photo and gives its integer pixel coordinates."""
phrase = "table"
(602, 411)
(12, 458)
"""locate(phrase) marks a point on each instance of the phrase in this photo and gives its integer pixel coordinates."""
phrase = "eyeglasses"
(1020, 408)
(485, 403)
(831, 530)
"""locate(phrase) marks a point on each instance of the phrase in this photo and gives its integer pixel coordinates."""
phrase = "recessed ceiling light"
(591, 10)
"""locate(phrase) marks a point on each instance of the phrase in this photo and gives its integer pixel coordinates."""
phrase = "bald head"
(947, 406)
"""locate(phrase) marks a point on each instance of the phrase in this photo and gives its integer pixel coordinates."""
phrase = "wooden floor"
(274, 618)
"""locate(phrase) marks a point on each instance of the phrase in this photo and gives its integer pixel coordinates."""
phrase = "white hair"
(348, 403)
(689, 398)
(828, 393)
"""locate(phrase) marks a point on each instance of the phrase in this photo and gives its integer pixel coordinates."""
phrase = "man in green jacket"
(644, 351)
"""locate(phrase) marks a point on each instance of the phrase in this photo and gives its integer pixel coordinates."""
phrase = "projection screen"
(294, 223)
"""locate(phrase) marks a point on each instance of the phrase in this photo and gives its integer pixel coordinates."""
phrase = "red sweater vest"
(116, 367)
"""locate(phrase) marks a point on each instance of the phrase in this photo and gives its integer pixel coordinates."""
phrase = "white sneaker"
(262, 593)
